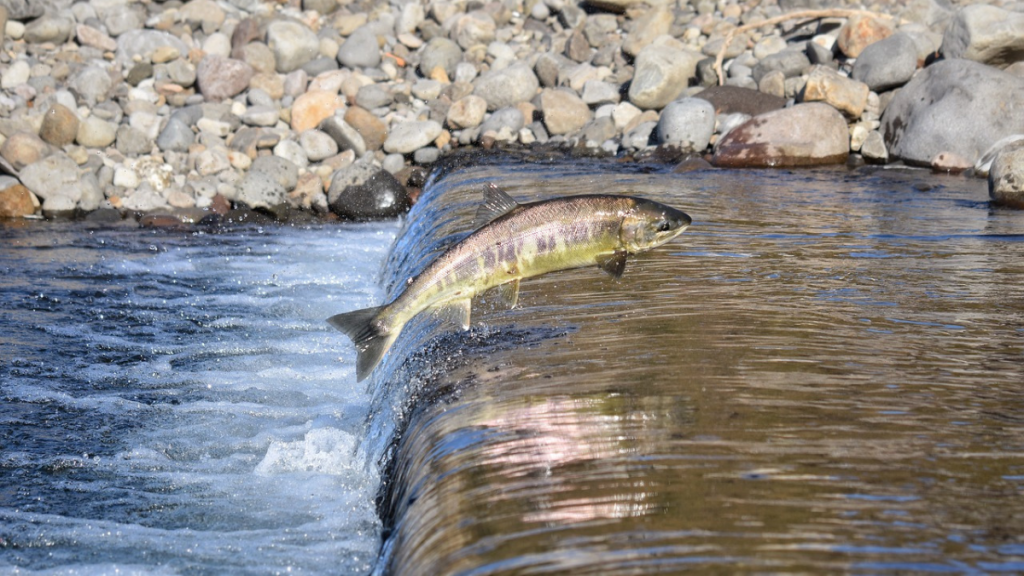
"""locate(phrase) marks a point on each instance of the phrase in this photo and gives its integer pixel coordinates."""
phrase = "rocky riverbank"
(202, 109)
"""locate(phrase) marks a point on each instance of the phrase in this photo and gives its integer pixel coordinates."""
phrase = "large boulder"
(662, 73)
(803, 135)
(364, 191)
(956, 107)
(985, 34)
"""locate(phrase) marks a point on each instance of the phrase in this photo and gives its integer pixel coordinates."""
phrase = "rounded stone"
(49, 175)
(1006, 177)
(278, 169)
(887, 63)
(49, 28)
(564, 112)
(16, 202)
(95, 132)
(313, 107)
(258, 191)
(292, 43)
(364, 192)
(16, 74)
(371, 128)
(507, 87)
(662, 73)
(466, 112)
(406, 137)
(687, 123)
(221, 78)
(23, 148)
(802, 135)
(317, 145)
(360, 50)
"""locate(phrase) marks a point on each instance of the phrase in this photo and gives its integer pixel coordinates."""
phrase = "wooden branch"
(805, 14)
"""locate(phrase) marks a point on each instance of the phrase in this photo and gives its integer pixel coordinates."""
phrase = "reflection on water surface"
(822, 374)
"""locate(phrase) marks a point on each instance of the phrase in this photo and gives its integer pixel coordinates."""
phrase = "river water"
(823, 374)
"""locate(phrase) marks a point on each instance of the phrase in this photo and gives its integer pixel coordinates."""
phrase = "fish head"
(650, 224)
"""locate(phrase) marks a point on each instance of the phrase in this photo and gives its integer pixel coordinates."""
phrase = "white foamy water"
(172, 403)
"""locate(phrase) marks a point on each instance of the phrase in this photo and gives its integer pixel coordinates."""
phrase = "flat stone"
(803, 135)
(955, 106)
(846, 95)
(564, 112)
(986, 34)
(343, 135)
(89, 36)
(49, 28)
(887, 63)
(406, 137)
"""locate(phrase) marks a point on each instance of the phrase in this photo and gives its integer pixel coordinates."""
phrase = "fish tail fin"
(370, 340)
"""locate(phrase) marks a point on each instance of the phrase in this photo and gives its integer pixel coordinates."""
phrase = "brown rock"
(844, 94)
(733, 99)
(564, 111)
(246, 31)
(220, 78)
(313, 107)
(60, 125)
(950, 162)
(373, 131)
(803, 135)
(859, 32)
(24, 148)
(17, 202)
(270, 82)
(89, 36)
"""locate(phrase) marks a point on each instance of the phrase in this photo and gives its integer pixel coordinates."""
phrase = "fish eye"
(665, 226)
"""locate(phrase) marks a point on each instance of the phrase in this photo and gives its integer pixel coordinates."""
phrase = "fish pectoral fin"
(456, 312)
(496, 203)
(508, 293)
(614, 263)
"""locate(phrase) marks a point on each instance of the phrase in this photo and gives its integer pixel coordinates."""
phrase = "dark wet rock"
(986, 34)
(803, 135)
(692, 165)
(105, 216)
(1006, 177)
(16, 202)
(956, 106)
(887, 63)
(687, 123)
(221, 78)
(733, 99)
(507, 87)
(365, 192)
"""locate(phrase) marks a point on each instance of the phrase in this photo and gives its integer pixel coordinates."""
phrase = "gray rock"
(58, 206)
(48, 176)
(442, 53)
(466, 112)
(789, 62)
(318, 66)
(818, 54)
(347, 137)
(873, 149)
(292, 152)
(28, 9)
(802, 135)
(374, 96)
(426, 155)
(221, 78)
(639, 137)
(142, 43)
(176, 136)
(987, 34)
(406, 137)
(392, 163)
(91, 196)
(360, 50)
(132, 141)
(550, 67)
(662, 73)
(261, 115)
(317, 145)
(598, 92)
(509, 119)
(953, 106)
(472, 28)
(564, 112)
(49, 28)
(507, 87)
(278, 169)
(935, 14)
(598, 131)
(258, 191)
(122, 19)
(1006, 178)
(364, 192)
(887, 63)
(181, 72)
(687, 123)
(293, 44)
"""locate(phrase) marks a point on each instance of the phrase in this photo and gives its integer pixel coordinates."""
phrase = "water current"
(824, 374)
(173, 402)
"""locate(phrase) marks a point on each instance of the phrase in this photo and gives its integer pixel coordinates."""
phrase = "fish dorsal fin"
(508, 293)
(496, 203)
(614, 263)
(456, 312)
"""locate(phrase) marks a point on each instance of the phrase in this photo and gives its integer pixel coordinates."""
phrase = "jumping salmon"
(514, 241)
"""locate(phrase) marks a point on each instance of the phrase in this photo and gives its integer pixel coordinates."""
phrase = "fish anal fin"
(508, 293)
(614, 263)
(370, 340)
(456, 312)
(496, 203)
